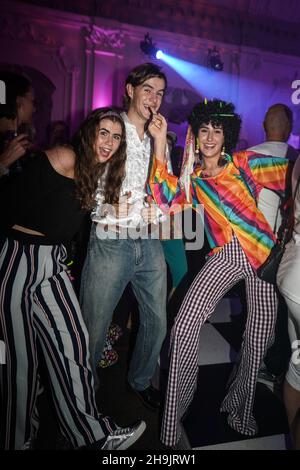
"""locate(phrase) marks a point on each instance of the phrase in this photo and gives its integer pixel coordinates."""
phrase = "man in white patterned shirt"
(114, 260)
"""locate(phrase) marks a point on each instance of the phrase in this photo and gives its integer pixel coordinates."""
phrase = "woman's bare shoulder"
(62, 158)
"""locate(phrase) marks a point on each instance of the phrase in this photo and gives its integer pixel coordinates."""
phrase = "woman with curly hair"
(41, 210)
(227, 186)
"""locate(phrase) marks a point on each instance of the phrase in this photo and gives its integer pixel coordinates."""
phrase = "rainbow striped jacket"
(229, 199)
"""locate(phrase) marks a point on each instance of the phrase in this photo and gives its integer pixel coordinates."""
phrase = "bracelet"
(3, 170)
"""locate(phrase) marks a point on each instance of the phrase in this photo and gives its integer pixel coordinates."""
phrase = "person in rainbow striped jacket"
(227, 186)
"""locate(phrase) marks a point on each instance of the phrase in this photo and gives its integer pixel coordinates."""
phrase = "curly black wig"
(218, 113)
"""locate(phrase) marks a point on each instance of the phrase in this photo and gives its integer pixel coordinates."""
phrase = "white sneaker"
(122, 438)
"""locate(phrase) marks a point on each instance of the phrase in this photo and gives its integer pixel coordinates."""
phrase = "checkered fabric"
(219, 274)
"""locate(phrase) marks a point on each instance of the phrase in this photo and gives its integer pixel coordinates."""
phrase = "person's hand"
(14, 150)
(123, 207)
(158, 126)
(158, 130)
(149, 214)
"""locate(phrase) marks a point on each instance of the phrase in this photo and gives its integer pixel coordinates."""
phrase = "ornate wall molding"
(64, 61)
(27, 34)
(104, 49)
(202, 19)
(105, 39)
(255, 24)
(16, 28)
(88, 57)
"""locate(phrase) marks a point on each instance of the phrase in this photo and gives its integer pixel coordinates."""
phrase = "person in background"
(17, 111)
(41, 209)
(171, 236)
(171, 141)
(240, 238)
(288, 281)
(58, 133)
(278, 125)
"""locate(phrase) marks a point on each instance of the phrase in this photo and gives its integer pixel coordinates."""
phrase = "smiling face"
(108, 139)
(148, 94)
(211, 140)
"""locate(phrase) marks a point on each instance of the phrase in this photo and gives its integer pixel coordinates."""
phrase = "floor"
(205, 427)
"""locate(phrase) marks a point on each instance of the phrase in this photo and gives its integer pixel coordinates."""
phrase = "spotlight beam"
(204, 81)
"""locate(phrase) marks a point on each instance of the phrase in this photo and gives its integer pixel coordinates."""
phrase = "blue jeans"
(109, 266)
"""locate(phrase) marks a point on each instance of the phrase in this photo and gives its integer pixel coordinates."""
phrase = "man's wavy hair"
(217, 113)
(88, 169)
(139, 75)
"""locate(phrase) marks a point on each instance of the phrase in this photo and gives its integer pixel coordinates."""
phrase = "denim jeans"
(109, 266)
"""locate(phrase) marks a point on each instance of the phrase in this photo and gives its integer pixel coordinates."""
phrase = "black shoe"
(271, 381)
(150, 397)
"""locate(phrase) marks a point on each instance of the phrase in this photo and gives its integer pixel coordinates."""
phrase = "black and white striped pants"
(219, 274)
(38, 304)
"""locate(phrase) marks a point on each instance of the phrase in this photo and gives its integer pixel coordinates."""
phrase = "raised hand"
(158, 130)
(157, 126)
(15, 149)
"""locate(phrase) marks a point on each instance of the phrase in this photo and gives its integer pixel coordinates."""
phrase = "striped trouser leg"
(262, 305)
(217, 276)
(19, 373)
(37, 300)
(64, 341)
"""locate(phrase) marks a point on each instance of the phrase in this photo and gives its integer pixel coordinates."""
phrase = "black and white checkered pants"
(219, 274)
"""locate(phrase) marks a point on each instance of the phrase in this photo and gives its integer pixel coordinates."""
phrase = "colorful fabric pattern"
(229, 199)
(109, 355)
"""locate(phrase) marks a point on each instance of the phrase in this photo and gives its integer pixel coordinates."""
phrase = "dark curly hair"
(218, 113)
(88, 169)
